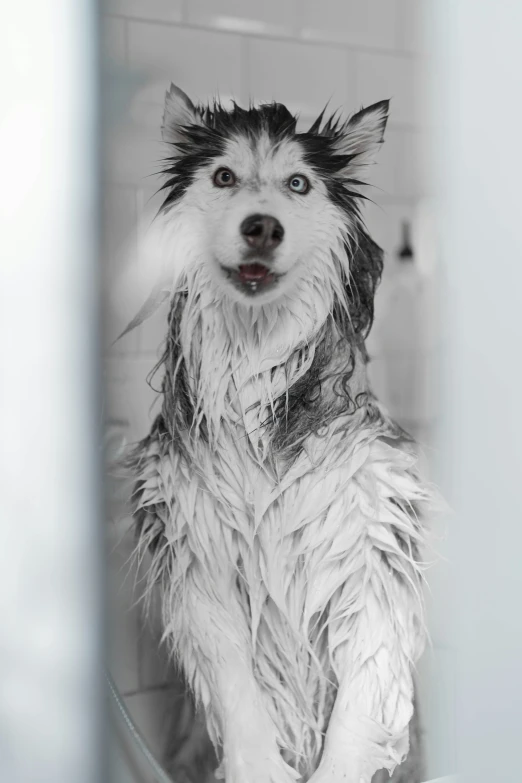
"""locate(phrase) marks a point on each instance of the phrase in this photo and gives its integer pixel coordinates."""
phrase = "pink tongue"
(252, 272)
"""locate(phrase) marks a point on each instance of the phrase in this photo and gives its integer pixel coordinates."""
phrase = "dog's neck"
(240, 358)
(236, 361)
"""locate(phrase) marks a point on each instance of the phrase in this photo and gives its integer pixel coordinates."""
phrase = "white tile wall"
(371, 23)
(133, 153)
(114, 39)
(384, 175)
(392, 76)
(119, 235)
(276, 17)
(301, 52)
(410, 33)
(119, 224)
(130, 399)
(384, 221)
(202, 62)
(303, 76)
(410, 175)
(160, 10)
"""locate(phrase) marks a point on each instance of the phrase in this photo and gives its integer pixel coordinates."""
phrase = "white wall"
(301, 52)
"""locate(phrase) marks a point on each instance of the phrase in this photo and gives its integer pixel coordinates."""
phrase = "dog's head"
(273, 211)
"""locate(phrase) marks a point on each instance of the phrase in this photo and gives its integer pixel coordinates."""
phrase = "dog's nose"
(262, 233)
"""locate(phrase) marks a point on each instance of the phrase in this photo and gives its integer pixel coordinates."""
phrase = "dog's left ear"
(362, 137)
(179, 112)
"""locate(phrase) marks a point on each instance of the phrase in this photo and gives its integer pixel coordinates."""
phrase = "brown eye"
(224, 178)
(299, 184)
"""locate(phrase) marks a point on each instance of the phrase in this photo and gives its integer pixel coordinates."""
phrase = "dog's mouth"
(252, 278)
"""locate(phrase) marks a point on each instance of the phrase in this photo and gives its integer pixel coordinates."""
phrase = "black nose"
(263, 233)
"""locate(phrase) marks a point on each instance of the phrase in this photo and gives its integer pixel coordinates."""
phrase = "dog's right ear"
(179, 112)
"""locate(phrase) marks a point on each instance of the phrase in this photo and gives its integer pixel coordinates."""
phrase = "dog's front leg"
(377, 634)
(214, 648)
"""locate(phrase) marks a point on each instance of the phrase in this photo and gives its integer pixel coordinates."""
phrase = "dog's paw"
(258, 768)
(341, 772)
(251, 753)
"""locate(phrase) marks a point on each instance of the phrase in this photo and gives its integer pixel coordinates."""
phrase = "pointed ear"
(362, 136)
(179, 112)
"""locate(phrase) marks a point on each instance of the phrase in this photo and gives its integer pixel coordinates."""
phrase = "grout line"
(164, 686)
(244, 84)
(298, 19)
(399, 31)
(393, 125)
(354, 75)
(401, 40)
(126, 42)
(316, 40)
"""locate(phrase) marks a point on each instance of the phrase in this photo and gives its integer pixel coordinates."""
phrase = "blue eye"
(299, 184)
(224, 178)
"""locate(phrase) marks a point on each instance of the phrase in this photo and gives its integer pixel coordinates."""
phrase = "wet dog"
(279, 502)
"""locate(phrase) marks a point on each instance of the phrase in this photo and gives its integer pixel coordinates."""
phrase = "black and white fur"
(280, 503)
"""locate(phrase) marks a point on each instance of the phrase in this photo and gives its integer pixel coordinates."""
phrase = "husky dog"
(280, 504)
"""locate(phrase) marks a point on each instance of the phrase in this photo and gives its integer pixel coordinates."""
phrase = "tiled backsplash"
(305, 53)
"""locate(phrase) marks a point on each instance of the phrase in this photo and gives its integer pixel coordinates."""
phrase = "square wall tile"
(388, 76)
(424, 84)
(410, 378)
(146, 115)
(411, 175)
(119, 243)
(382, 174)
(400, 169)
(113, 39)
(303, 76)
(133, 155)
(414, 24)
(384, 223)
(155, 10)
(119, 225)
(129, 397)
(202, 63)
(269, 17)
(368, 23)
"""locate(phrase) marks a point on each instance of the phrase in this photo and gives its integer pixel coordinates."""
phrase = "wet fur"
(273, 494)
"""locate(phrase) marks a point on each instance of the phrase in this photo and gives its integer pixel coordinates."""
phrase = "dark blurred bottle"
(402, 335)
(406, 251)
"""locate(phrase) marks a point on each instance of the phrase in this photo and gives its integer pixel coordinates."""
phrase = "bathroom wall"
(349, 53)
(303, 53)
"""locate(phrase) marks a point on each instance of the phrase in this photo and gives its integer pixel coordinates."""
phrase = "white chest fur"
(297, 556)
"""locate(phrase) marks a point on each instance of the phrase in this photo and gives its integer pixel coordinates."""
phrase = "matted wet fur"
(280, 504)
(190, 756)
